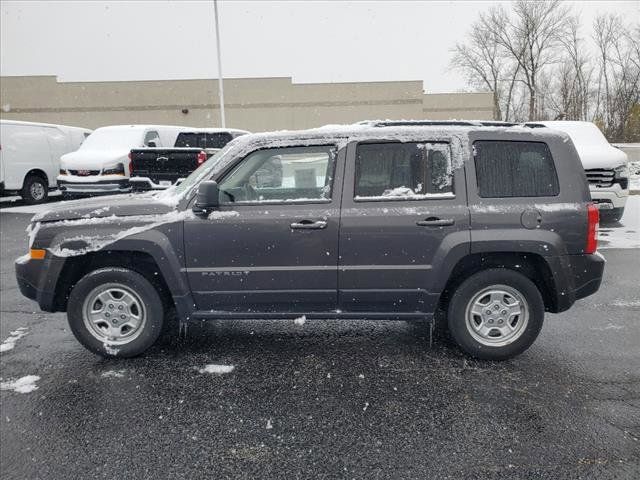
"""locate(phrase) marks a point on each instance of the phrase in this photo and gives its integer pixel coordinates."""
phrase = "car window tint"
(152, 136)
(281, 175)
(410, 171)
(514, 169)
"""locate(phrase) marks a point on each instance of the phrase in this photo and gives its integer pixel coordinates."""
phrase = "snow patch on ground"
(626, 233)
(113, 374)
(13, 337)
(21, 385)
(626, 304)
(300, 320)
(217, 369)
(609, 326)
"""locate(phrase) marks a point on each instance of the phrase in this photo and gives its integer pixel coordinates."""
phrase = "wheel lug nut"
(496, 307)
(123, 317)
(111, 305)
(491, 320)
(107, 314)
(500, 321)
(504, 312)
(488, 312)
(115, 322)
(120, 307)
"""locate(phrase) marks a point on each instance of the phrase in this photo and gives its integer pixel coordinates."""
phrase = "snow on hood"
(601, 157)
(592, 146)
(93, 159)
(99, 207)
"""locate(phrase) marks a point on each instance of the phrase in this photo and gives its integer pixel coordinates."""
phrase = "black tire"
(35, 189)
(146, 293)
(479, 282)
(611, 216)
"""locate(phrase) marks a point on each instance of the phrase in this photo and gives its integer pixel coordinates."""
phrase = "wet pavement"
(325, 399)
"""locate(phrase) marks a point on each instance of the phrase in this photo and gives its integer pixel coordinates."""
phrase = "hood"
(118, 205)
(93, 159)
(601, 157)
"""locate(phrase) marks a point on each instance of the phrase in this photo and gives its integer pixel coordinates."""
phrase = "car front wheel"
(115, 312)
(495, 314)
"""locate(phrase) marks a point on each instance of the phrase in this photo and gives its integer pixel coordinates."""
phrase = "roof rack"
(453, 123)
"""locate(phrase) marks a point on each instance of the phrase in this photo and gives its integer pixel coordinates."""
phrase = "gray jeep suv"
(491, 224)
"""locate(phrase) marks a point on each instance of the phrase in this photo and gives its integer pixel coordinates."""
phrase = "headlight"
(117, 170)
(621, 172)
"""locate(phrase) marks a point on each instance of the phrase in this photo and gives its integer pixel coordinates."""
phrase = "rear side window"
(515, 169)
(396, 171)
(203, 140)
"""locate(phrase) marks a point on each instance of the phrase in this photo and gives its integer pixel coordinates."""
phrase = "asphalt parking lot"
(325, 399)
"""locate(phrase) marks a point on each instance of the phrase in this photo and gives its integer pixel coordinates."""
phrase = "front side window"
(287, 174)
(410, 171)
(514, 169)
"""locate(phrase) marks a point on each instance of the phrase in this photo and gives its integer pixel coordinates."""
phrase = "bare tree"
(530, 36)
(487, 66)
(619, 82)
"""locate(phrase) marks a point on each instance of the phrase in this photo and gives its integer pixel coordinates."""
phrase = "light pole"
(220, 87)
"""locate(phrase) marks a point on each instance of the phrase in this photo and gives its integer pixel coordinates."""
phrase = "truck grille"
(600, 177)
(84, 173)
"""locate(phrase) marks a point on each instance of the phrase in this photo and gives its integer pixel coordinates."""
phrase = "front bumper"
(37, 280)
(94, 185)
(609, 198)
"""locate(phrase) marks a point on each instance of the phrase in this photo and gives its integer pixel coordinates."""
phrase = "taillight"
(593, 220)
(130, 164)
(202, 157)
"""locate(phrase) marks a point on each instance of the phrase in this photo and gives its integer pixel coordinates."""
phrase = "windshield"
(111, 139)
(203, 170)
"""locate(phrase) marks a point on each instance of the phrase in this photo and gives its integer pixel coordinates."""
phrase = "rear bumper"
(577, 276)
(145, 183)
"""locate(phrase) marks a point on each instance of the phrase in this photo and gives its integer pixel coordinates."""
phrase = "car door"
(272, 246)
(403, 205)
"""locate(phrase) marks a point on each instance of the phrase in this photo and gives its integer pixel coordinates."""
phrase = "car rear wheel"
(115, 312)
(495, 314)
(35, 189)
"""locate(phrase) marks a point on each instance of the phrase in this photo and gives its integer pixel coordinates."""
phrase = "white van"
(102, 164)
(606, 166)
(30, 156)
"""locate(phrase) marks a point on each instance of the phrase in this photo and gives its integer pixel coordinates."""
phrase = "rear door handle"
(435, 222)
(309, 225)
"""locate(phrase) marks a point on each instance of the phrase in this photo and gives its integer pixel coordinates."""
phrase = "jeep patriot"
(490, 224)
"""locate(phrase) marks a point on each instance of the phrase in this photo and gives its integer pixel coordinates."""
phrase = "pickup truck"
(159, 168)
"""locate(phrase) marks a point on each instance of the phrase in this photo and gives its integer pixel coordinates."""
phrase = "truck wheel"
(611, 216)
(35, 189)
(495, 314)
(115, 312)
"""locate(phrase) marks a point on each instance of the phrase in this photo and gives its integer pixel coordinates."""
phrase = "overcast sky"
(309, 41)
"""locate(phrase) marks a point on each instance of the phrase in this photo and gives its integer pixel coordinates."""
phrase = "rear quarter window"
(514, 169)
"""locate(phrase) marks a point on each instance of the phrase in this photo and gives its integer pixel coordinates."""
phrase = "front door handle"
(435, 222)
(309, 225)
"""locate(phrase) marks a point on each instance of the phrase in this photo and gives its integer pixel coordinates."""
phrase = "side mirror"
(207, 198)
